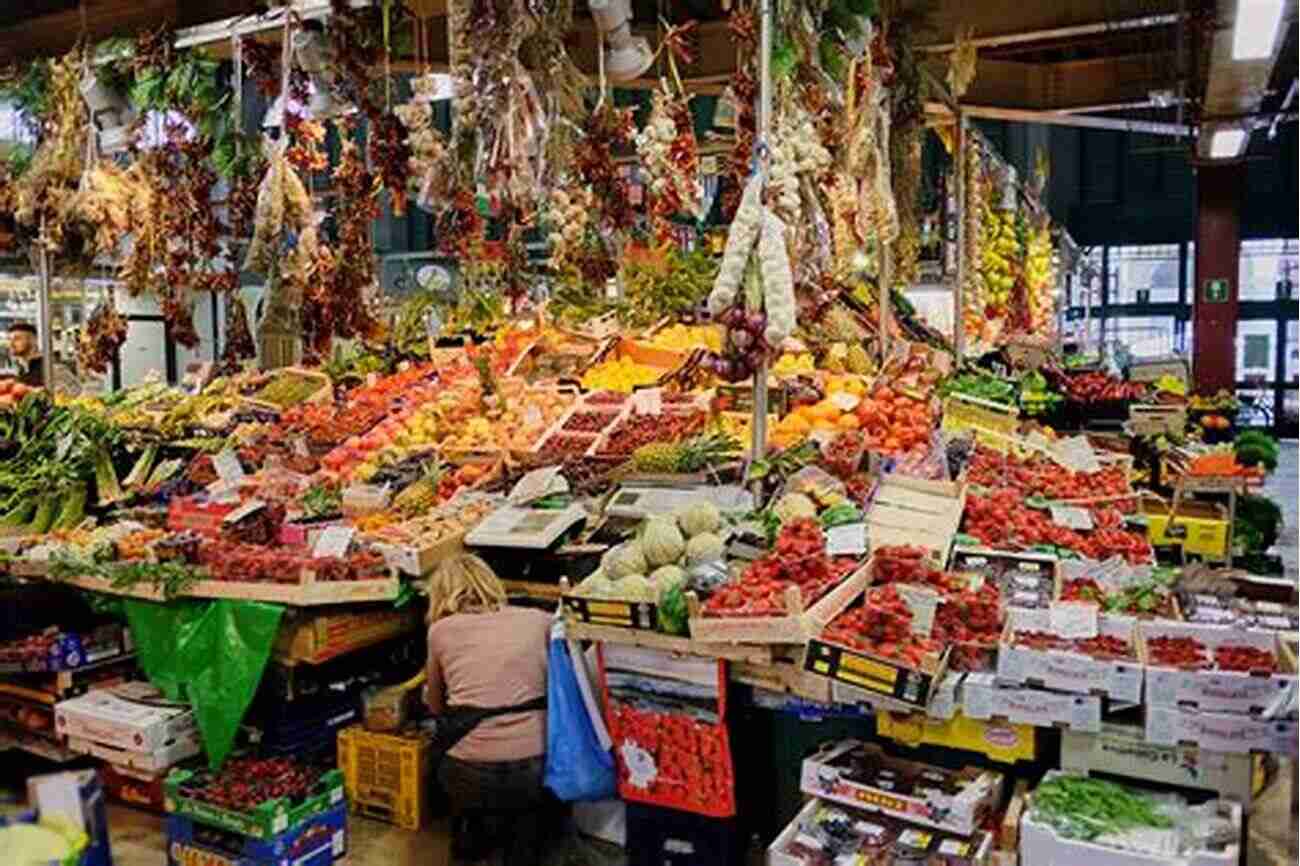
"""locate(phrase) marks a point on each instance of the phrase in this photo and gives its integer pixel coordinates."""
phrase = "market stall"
(708, 430)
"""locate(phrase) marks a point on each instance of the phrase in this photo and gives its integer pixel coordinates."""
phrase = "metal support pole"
(758, 425)
(45, 336)
(959, 198)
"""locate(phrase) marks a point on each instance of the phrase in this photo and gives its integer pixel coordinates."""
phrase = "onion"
(725, 370)
(755, 323)
(734, 317)
(741, 339)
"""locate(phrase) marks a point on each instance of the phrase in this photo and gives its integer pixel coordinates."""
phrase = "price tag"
(648, 401)
(1071, 517)
(1073, 619)
(252, 506)
(300, 447)
(844, 401)
(228, 467)
(64, 445)
(1076, 453)
(850, 539)
(333, 542)
(371, 379)
(922, 602)
(533, 416)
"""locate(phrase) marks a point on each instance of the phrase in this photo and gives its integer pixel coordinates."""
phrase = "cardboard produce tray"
(1066, 670)
(1247, 692)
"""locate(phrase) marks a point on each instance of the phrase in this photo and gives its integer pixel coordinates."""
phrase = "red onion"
(755, 323)
(741, 339)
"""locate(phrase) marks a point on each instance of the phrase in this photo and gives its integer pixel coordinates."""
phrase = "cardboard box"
(1041, 846)
(958, 804)
(982, 698)
(1123, 750)
(864, 678)
(318, 842)
(1218, 691)
(1000, 741)
(1221, 732)
(138, 790)
(1069, 671)
(168, 755)
(72, 650)
(971, 850)
(78, 796)
(130, 716)
(1200, 528)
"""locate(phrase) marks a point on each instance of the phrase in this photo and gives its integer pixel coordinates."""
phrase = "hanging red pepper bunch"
(334, 302)
(239, 337)
(104, 334)
(607, 130)
(743, 29)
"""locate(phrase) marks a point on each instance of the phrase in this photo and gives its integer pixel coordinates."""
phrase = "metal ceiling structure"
(1155, 66)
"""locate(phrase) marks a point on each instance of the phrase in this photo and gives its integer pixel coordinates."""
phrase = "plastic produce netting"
(210, 654)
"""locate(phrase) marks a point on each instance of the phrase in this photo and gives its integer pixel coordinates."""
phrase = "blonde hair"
(464, 584)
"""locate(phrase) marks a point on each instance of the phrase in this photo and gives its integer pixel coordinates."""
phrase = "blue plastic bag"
(577, 767)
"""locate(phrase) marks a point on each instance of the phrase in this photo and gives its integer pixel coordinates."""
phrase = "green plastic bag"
(210, 654)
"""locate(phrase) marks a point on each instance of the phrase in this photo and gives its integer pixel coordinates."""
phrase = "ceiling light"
(1255, 31)
(1227, 143)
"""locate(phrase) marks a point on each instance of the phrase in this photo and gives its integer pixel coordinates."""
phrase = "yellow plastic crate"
(1202, 527)
(1000, 741)
(387, 776)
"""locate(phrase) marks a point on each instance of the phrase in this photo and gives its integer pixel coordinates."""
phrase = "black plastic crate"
(667, 837)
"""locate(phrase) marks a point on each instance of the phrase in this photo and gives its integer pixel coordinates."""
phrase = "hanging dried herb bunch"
(98, 344)
(43, 195)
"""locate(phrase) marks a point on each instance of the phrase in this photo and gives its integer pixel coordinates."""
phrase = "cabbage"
(635, 587)
(699, 517)
(662, 542)
(667, 576)
(793, 506)
(704, 547)
(623, 560)
(595, 585)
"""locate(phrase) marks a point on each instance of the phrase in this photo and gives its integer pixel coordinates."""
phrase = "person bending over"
(487, 687)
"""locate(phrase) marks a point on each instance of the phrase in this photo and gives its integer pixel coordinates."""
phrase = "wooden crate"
(307, 592)
(1152, 369)
(991, 422)
(759, 656)
(323, 636)
(1156, 420)
(795, 627)
(913, 511)
(324, 392)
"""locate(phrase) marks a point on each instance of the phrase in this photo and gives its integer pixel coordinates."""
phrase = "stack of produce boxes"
(1224, 688)
(867, 807)
(137, 735)
(255, 812)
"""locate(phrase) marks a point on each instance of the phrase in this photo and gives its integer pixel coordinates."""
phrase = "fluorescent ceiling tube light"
(1226, 143)
(1255, 31)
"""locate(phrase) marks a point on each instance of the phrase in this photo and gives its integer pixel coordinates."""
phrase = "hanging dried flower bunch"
(334, 302)
(104, 335)
(44, 194)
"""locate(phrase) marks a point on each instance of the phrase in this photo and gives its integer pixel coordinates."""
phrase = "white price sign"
(1076, 453)
(648, 401)
(1073, 619)
(849, 539)
(228, 467)
(333, 542)
(1071, 517)
(922, 602)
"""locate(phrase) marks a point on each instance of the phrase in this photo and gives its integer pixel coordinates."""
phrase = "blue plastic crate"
(318, 842)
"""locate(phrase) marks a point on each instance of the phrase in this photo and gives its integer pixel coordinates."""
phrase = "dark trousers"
(499, 804)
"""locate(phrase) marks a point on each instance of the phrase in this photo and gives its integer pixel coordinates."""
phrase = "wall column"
(1214, 288)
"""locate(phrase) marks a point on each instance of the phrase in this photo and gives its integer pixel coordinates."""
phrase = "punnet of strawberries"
(1102, 647)
(906, 564)
(1000, 519)
(798, 559)
(1190, 653)
(1042, 476)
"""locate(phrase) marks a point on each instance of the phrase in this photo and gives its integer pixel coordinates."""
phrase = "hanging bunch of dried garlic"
(432, 176)
(797, 154)
(578, 254)
(283, 207)
(670, 157)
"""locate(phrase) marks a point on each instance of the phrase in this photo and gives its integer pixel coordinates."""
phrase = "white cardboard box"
(961, 813)
(1041, 846)
(123, 717)
(982, 698)
(1221, 732)
(1069, 671)
(1123, 750)
(156, 761)
(1219, 691)
(981, 843)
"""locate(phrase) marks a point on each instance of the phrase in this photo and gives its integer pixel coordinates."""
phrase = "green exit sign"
(1216, 292)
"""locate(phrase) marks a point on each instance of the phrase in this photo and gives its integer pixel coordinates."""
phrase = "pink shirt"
(492, 660)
